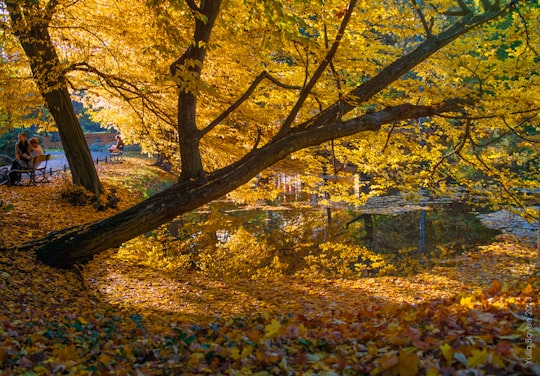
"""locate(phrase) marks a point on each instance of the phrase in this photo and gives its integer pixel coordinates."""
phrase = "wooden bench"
(37, 170)
(116, 156)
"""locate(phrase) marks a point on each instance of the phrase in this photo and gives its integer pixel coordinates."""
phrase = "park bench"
(37, 170)
(116, 156)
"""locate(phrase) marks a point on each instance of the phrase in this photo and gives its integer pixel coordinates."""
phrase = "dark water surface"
(434, 231)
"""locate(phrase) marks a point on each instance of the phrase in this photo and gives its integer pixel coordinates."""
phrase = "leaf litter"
(476, 314)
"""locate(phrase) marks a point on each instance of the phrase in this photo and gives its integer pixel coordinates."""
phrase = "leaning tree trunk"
(30, 25)
(79, 244)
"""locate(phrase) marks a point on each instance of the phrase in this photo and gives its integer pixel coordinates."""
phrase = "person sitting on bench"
(35, 148)
(22, 157)
(119, 145)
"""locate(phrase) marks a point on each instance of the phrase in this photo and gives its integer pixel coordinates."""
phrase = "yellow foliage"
(342, 260)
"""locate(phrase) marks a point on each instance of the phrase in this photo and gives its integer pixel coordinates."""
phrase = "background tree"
(21, 106)
(419, 100)
(30, 22)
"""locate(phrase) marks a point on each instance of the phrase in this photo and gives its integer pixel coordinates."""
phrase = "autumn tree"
(30, 22)
(20, 103)
(429, 90)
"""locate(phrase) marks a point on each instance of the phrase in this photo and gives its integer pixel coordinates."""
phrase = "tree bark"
(30, 25)
(192, 61)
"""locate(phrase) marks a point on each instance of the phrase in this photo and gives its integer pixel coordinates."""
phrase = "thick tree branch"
(464, 7)
(78, 245)
(192, 5)
(395, 70)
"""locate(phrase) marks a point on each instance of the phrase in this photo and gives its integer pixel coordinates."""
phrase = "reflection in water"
(431, 232)
(422, 231)
(295, 236)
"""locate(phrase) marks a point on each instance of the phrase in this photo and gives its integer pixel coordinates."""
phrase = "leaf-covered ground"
(475, 315)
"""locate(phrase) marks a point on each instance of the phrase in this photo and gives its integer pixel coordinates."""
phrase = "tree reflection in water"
(254, 241)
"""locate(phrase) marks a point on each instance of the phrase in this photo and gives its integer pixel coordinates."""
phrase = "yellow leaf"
(408, 364)
(235, 353)
(65, 353)
(195, 359)
(497, 361)
(105, 359)
(272, 329)
(478, 358)
(467, 301)
(246, 352)
(447, 352)
(40, 370)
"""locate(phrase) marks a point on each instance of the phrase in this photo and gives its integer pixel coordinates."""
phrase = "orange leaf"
(527, 291)
(495, 287)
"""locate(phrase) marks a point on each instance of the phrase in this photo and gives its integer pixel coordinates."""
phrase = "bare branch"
(510, 194)
(333, 68)
(388, 137)
(258, 140)
(318, 72)
(511, 130)
(304, 60)
(422, 17)
(123, 87)
(457, 149)
(243, 98)
(527, 35)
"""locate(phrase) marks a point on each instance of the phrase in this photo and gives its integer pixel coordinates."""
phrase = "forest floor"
(476, 314)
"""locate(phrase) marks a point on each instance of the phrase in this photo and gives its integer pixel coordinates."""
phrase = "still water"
(425, 230)
(386, 238)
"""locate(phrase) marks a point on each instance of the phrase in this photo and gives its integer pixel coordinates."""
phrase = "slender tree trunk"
(30, 25)
(83, 171)
(190, 156)
(191, 62)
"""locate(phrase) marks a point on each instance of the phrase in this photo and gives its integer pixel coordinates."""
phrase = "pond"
(422, 229)
(395, 238)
